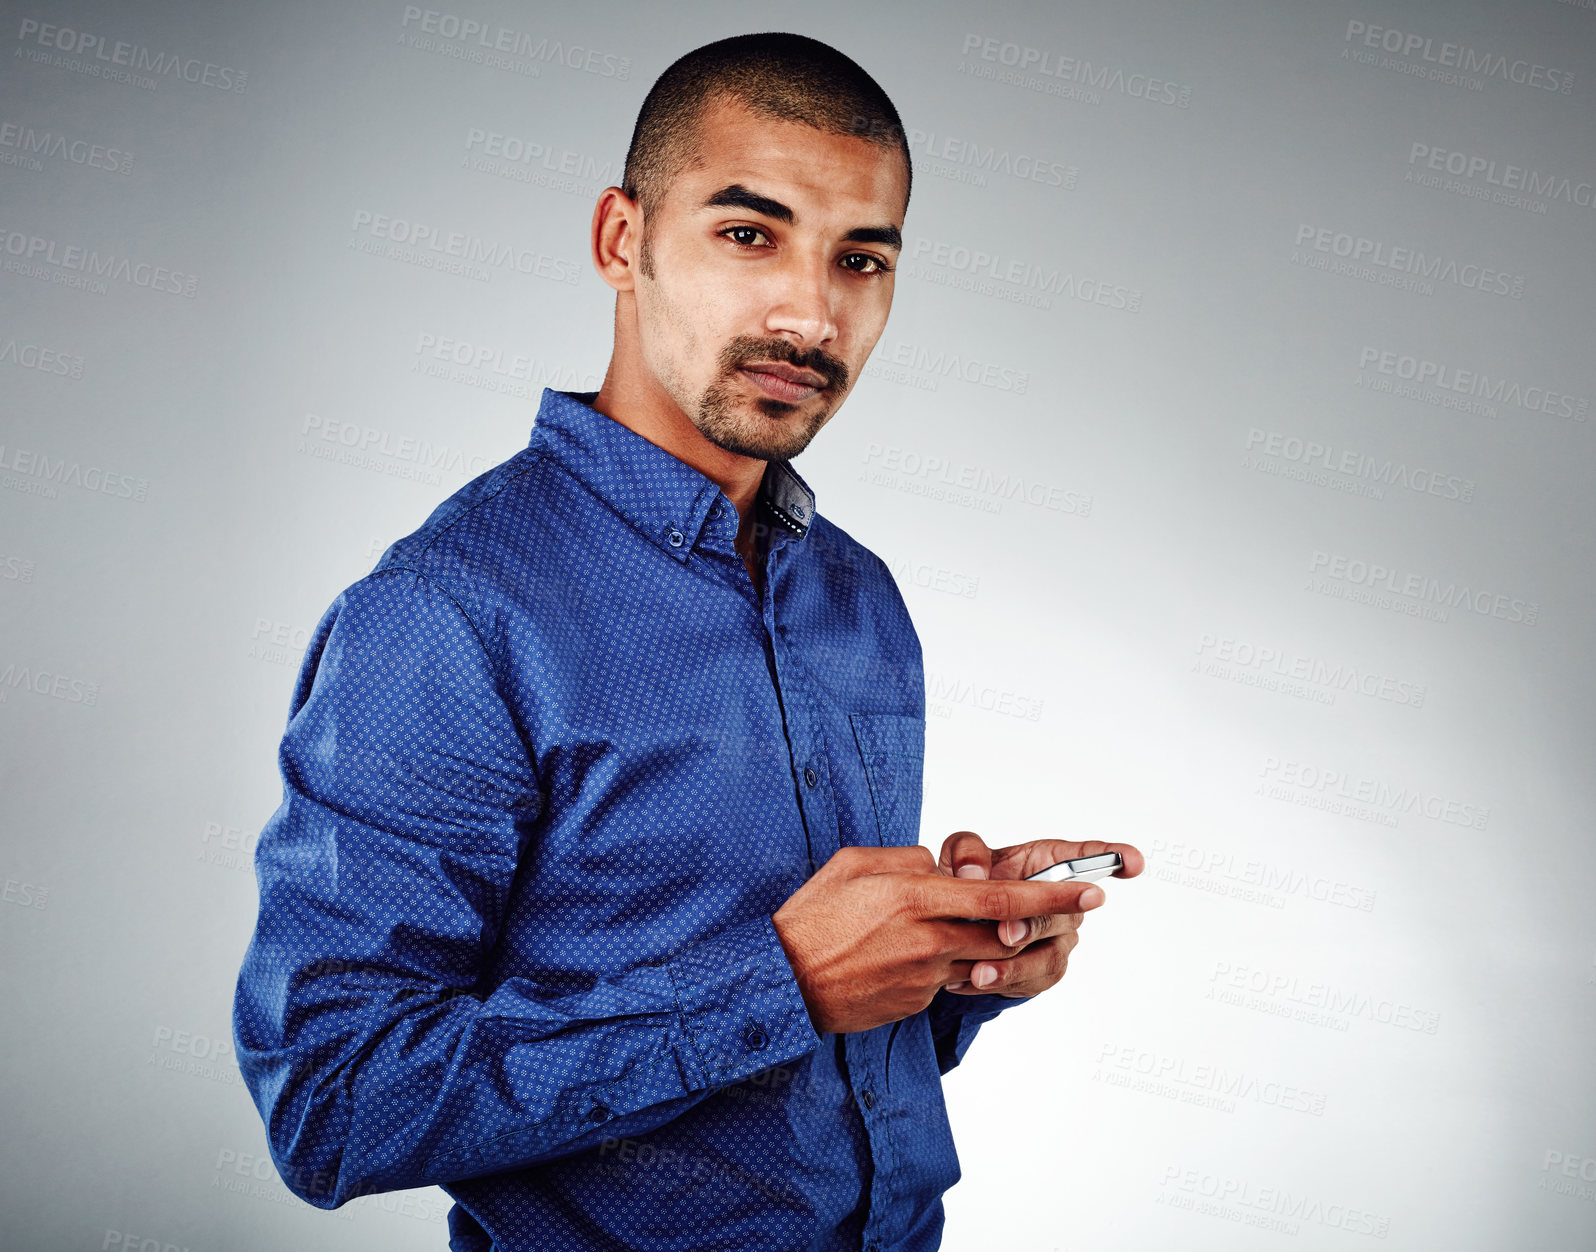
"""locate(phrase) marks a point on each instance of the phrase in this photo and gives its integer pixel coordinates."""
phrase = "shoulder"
(491, 508)
(843, 555)
(483, 543)
(856, 577)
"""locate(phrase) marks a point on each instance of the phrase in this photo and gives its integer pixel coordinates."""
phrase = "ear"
(615, 237)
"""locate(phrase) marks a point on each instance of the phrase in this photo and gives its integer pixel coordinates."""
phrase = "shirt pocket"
(892, 748)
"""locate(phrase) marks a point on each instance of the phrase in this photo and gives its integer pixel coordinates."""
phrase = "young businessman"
(596, 895)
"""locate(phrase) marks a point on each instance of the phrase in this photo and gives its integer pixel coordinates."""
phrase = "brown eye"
(746, 236)
(857, 261)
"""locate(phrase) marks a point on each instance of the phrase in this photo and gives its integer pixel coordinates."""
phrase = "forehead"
(840, 177)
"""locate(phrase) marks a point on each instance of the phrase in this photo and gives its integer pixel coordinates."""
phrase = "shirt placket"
(864, 1051)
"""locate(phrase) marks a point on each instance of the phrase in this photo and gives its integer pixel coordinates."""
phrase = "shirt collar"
(662, 497)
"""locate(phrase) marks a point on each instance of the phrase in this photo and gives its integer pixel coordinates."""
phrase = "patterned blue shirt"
(549, 769)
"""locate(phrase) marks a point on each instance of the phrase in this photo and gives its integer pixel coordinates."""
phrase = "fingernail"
(1017, 931)
(984, 976)
(972, 871)
(954, 986)
(1091, 897)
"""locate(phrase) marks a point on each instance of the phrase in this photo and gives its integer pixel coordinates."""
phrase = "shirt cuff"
(740, 1004)
(987, 1005)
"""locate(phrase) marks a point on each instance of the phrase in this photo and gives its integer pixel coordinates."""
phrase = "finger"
(1024, 859)
(859, 859)
(1039, 966)
(1021, 930)
(1135, 862)
(1029, 929)
(967, 942)
(930, 896)
(965, 855)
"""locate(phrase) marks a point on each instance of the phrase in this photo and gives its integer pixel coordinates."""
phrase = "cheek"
(668, 334)
(866, 322)
(686, 313)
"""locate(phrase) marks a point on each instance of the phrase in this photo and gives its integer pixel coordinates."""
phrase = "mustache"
(746, 348)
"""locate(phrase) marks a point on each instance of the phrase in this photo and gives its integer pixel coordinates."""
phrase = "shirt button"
(676, 538)
(598, 1113)
(810, 776)
(755, 1038)
(714, 510)
(869, 1098)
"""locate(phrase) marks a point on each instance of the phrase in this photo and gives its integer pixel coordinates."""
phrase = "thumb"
(965, 855)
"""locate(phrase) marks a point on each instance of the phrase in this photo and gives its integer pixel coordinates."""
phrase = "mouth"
(783, 382)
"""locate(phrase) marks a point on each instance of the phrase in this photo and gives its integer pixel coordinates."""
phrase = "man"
(595, 895)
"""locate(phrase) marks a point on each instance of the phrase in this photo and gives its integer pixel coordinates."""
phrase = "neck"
(633, 396)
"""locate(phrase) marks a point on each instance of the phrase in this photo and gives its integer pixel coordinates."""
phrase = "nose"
(803, 305)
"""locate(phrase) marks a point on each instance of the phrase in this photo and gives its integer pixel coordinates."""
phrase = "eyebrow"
(736, 196)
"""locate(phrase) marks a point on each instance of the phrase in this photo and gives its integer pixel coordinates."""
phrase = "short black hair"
(780, 75)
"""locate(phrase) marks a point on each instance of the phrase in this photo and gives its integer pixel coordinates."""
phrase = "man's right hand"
(877, 932)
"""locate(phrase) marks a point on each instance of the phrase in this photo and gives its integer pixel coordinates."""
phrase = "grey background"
(1350, 1002)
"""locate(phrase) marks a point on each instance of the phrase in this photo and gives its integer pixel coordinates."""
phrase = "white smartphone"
(1081, 869)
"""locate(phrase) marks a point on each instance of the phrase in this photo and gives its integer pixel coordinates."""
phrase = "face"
(768, 277)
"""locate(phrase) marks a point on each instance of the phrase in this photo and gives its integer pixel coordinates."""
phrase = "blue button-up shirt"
(549, 769)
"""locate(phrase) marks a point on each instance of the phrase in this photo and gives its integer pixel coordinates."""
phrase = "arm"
(375, 1060)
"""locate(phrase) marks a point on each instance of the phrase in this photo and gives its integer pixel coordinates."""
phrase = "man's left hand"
(1042, 944)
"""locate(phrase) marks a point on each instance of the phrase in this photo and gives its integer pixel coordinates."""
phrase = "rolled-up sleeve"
(361, 1030)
